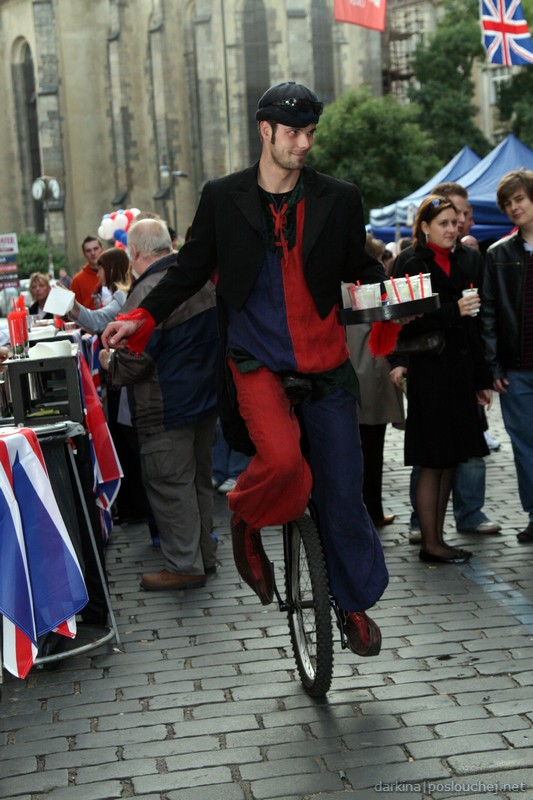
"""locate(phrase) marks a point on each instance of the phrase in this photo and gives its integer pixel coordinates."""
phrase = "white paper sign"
(59, 301)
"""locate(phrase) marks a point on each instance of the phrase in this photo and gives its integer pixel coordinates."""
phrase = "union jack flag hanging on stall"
(41, 582)
(506, 36)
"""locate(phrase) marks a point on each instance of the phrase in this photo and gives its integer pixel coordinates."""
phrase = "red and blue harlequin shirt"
(280, 327)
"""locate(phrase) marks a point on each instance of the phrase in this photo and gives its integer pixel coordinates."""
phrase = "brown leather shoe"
(163, 580)
(251, 560)
(363, 634)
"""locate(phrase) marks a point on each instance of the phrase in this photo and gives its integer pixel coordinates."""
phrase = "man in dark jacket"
(172, 396)
(507, 327)
(283, 238)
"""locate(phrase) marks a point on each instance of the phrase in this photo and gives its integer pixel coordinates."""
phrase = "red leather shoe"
(251, 560)
(363, 634)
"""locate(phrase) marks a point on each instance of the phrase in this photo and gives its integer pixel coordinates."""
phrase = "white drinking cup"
(366, 296)
(402, 288)
(468, 293)
(426, 282)
(391, 295)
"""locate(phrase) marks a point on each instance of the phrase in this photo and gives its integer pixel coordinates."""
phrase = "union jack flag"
(506, 36)
(106, 466)
(41, 583)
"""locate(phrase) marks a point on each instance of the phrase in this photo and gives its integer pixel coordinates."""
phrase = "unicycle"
(307, 600)
(308, 604)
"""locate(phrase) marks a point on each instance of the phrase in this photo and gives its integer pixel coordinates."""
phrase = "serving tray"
(392, 311)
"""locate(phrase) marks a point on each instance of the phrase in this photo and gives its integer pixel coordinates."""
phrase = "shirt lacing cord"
(280, 225)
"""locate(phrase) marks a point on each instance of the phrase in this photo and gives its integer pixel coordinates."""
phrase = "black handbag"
(429, 343)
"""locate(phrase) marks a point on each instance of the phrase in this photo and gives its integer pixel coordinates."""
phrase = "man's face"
(92, 251)
(519, 208)
(463, 207)
(136, 264)
(469, 221)
(289, 147)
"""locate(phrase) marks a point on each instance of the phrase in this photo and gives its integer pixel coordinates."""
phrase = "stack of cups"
(18, 333)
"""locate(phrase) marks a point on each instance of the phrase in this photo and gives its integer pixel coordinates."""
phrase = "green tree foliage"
(527, 6)
(443, 70)
(376, 143)
(33, 256)
(515, 104)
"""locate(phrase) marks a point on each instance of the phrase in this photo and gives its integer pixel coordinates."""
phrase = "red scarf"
(442, 257)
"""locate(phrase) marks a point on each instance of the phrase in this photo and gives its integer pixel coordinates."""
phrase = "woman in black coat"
(443, 425)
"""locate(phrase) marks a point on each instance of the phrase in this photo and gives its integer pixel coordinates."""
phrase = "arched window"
(256, 65)
(321, 31)
(31, 113)
(23, 73)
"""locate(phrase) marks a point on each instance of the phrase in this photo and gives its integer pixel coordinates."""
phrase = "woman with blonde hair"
(39, 289)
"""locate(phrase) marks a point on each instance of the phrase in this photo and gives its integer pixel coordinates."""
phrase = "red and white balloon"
(115, 226)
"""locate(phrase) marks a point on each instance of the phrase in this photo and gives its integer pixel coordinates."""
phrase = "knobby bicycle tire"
(309, 611)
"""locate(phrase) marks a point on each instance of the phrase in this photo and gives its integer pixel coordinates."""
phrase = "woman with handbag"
(446, 376)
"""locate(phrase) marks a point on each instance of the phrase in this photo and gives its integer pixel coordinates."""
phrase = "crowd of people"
(447, 437)
(201, 345)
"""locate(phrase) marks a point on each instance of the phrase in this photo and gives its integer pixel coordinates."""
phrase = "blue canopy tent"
(481, 182)
(397, 213)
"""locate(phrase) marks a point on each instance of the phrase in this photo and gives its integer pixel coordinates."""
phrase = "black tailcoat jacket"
(229, 237)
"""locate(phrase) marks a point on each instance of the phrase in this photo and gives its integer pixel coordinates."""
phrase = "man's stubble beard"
(289, 164)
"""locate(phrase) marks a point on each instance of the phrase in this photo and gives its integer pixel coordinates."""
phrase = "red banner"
(367, 13)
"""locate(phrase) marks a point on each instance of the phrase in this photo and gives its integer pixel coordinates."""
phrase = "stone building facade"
(111, 97)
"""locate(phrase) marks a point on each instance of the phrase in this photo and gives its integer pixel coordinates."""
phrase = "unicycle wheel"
(309, 607)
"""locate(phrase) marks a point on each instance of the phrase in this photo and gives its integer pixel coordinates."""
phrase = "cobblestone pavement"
(201, 700)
